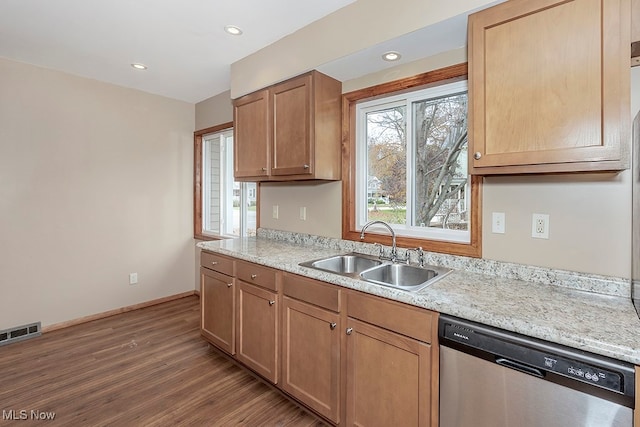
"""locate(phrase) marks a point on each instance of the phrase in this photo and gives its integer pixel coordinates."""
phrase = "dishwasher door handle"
(519, 367)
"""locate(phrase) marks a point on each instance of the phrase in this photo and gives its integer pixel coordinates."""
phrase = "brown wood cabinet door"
(257, 327)
(388, 378)
(549, 86)
(252, 136)
(217, 305)
(291, 111)
(311, 357)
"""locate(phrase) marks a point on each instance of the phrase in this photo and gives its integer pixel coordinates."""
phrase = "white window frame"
(361, 208)
(225, 186)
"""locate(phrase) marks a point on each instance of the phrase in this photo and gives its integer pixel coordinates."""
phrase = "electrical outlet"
(275, 211)
(303, 213)
(498, 222)
(540, 226)
(133, 278)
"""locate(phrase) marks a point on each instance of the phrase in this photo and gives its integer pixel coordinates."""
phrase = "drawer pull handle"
(253, 276)
(333, 325)
(271, 302)
(349, 331)
(305, 166)
(229, 285)
(214, 262)
(264, 169)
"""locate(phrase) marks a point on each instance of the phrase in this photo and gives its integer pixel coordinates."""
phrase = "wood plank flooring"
(147, 367)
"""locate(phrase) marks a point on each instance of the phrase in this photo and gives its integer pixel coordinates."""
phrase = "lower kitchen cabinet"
(353, 358)
(311, 344)
(388, 378)
(217, 305)
(390, 374)
(257, 327)
(311, 356)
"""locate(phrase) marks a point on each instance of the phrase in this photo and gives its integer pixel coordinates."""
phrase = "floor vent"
(20, 333)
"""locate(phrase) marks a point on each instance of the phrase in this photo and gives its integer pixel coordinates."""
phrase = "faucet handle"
(407, 254)
(420, 256)
(381, 250)
(418, 251)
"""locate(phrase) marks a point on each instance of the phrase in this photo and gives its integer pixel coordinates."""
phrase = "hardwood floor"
(147, 367)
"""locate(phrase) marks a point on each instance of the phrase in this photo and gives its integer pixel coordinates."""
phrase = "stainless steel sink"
(348, 264)
(403, 276)
(372, 269)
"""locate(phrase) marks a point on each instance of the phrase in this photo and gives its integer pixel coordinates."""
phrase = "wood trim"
(197, 187)
(197, 178)
(213, 129)
(349, 100)
(110, 313)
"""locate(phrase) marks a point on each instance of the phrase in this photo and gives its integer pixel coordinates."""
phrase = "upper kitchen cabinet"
(549, 87)
(252, 136)
(289, 131)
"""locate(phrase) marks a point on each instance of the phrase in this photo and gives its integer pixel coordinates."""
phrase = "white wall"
(95, 183)
(590, 214)
(355, 27)
(322, 200)
(214, 111)
(590, 217)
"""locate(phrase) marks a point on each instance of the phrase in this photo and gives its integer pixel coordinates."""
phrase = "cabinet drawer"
(216, 262)
(256, 274)
(312, 291)
(413, 322)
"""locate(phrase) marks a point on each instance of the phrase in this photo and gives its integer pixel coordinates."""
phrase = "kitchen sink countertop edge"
(601, 324)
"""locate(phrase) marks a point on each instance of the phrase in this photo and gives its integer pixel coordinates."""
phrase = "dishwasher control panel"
(580, 371)
(536, 357)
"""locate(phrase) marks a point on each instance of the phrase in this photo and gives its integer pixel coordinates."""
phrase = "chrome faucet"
(394, 251)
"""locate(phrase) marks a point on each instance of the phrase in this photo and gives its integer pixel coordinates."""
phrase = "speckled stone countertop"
(590, 313)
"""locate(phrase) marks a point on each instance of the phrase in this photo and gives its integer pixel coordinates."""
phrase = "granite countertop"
(579, 316)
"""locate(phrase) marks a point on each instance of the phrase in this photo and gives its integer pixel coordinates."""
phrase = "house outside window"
(228, 207)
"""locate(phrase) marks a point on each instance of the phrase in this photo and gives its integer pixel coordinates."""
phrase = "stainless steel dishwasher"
(494, 378)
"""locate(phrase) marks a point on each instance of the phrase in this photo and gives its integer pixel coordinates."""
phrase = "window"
(223, 207)
(407, 162)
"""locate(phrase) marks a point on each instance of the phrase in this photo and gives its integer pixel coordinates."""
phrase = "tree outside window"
(416, 161)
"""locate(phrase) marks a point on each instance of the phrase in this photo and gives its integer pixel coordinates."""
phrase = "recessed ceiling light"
(233, 30)
(391, 56)
(138, 66)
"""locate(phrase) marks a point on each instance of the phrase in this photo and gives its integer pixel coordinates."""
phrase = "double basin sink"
(371, 269)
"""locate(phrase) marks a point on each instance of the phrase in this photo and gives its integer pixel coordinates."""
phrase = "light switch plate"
(498, 222)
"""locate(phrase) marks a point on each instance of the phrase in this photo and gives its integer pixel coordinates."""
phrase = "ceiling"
(183, 43)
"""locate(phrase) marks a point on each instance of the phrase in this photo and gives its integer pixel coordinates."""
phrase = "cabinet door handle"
(333, 325)
(229, 285)
(253, 276)
(305, 166)
(271, 302)
(477, 155)
(214, 262)
(264, 169)
(349, 331)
